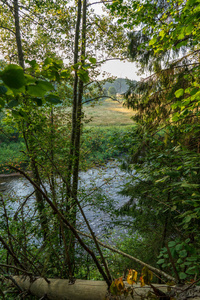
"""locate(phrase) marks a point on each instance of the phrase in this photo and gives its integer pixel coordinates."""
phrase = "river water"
(101, 185)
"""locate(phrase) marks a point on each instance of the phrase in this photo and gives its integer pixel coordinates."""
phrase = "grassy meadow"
(108, 113)
(107, 126)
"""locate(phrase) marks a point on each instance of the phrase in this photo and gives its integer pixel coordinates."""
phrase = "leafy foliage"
(164, 39)
(184, 255)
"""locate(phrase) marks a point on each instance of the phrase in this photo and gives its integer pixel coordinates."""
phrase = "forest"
(99, 186)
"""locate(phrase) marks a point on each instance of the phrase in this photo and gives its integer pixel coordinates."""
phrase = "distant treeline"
(121, 85)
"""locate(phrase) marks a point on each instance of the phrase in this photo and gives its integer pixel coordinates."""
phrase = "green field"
(108, 113)
(106, 126)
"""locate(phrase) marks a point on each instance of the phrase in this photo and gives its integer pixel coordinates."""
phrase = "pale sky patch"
(121, 69)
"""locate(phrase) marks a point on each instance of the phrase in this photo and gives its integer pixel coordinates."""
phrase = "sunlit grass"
(108, 113)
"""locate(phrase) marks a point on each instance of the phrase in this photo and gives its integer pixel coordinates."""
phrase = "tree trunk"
(79, 107)
(39, 198)
(71, 213)
(60, 289)
(18, 34)
(74, 107)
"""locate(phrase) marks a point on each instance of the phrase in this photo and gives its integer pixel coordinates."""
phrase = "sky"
(121, 69)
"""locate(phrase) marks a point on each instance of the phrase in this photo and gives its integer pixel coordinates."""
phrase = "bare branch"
(155, 270)
(16, 268)
(6, 28)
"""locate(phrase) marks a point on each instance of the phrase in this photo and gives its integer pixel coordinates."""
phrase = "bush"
(99, 144)
(11, 154)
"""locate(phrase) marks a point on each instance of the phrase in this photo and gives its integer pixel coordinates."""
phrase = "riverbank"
(99, 145)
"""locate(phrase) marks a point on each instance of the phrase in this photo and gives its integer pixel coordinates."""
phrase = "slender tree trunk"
(74, 108)
(39, 198)
(79, 106)
(18, 34)
(76, 129)
(70, 204)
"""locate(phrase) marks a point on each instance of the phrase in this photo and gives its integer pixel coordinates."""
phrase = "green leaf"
(45, 85)
(83, 75)
(92, 60)
(192, 258)
(12, 104)
(153, 41)
(183, 253)
(3, 90)
(181, 36)
(162, 33)
(174, 207)
(179, 93)
(48, 61)
(194, 91)
(189, 29)
(191, 270)
(65, 74)
(162, 179)
(32, 63)
(38, 101)
(171, 244)
(182, 275)
(187, 241)
(53, 99)
(179, 247)
(35, 91)
(160, 261)
(39, 89)
(29, 79)
(189, 185)
(2, 103)
(13, 76)
(187, 219)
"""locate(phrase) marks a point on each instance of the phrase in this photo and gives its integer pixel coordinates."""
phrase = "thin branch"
(15, 216)
(6, 28)
(11, 252)
(16, 268)
(4, 133)
(108, 59)
(101, 2)
(193, 283)
(155, 270)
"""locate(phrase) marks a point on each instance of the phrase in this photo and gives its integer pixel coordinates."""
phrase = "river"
(102, 184)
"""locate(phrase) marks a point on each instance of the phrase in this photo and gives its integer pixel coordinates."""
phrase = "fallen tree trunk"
(60, 289)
